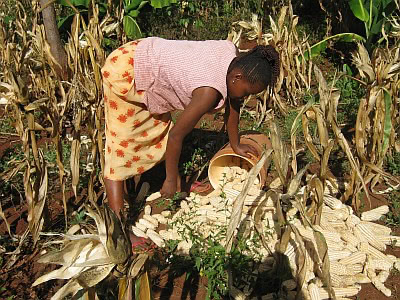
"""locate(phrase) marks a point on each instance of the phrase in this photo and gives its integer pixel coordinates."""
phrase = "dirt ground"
(19, 270)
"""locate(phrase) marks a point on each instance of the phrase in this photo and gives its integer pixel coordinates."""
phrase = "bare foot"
(141, 244)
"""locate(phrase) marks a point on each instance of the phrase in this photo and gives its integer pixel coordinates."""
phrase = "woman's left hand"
(245, 149)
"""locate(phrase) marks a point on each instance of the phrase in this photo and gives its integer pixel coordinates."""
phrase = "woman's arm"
(203, 99)
(232, 126)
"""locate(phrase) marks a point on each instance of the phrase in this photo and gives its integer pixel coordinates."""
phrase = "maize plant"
(295, 71)
(378, 115)
(43, 104)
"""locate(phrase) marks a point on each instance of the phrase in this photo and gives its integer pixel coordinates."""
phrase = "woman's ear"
(238, 75)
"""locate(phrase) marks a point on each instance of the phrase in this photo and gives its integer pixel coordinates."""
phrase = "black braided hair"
(259, 65)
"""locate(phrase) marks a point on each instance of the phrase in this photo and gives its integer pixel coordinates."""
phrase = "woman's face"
(239, 87)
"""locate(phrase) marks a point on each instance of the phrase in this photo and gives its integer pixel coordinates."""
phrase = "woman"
(145, 80)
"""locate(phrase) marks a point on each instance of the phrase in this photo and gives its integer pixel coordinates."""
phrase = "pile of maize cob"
(355, 245)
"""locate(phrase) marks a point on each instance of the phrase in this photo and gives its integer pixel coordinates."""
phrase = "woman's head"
(253, 72)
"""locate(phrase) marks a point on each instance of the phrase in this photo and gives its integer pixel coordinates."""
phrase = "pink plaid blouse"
(169, 70)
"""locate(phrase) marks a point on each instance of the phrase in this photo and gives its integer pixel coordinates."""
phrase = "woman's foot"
(141, 244)
(199, 187)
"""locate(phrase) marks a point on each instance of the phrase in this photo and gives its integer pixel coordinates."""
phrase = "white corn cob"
(360, 278)
(373, 252)
(153, 196)
(184, 204)
(338, 268)
(148, 224)
(204, 201)
(352, 221)
(391, 240)
(166, 213)
(147, 210)
(156, 238)
(337, 280)
(378, 284)
(370, 237)
(338, 254)
(340, 292)
(354, 269)
(331, 235)
(378, 229)
(351, 248)
(332, 202)
(151, 220)
(289, 284)
(183, 247)
(314, 291)
(136, 231)
(375, 214)
(359, 235)
(335, 245)
(380, 264)
(160, 218)
(349, 238)
(383, 276)
(141, 226)
(355, 258)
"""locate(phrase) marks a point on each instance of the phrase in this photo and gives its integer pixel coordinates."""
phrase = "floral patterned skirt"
(135, 139)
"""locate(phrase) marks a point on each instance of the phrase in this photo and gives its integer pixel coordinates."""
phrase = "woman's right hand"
(170, 187)
(245, 149)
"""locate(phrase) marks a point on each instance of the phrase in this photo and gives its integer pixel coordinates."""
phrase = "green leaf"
(317, 48)
(359, 10)
(66, 20)
(388, 121)
(134, 13)
(131, 28)
(84, 3)
(132, 5)
(162, 3)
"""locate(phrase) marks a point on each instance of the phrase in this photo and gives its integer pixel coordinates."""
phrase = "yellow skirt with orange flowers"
(135, 139)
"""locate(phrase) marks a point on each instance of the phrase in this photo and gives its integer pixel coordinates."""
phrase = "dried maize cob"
(349, 238)
(359, 235)
(355, 258)
(148, 224)
(370, 237)
(383, 276)
(373, 252)
(141, 226)
(183, 247)
(377, 283)
(156, 238)
(338, 254)
(151, 220)
(314, 291)
(153, 196)
(377, 229)
(338, 268)
(166, 213)
(380, 264)
(136, 231)
(160, 218)
(340, 292)
(147, 210)
(332, 202)
(375, 214)
(391, 240)
(352, 221)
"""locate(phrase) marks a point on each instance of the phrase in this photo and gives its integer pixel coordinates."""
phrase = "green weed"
(350, 94)
(393, 216)
(198, 159)
(393, 164)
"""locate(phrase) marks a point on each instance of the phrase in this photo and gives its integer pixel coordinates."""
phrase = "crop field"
(315, 216)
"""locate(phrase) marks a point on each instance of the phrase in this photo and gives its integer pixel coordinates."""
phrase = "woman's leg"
(115, 195)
